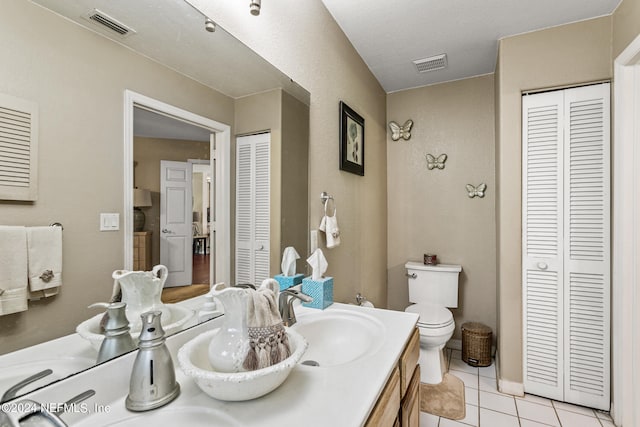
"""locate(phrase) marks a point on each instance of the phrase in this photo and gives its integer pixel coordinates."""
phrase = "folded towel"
(329, 225)
(44, 245)
(268, 341)
(13, 269)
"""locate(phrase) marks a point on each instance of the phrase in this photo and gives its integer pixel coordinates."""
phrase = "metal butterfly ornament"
(436, 162)
(403, 131)
(476, 191)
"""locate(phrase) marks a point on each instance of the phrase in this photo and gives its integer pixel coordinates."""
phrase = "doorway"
(219, 149)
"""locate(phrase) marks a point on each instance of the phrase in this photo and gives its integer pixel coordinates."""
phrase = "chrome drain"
(310, 363)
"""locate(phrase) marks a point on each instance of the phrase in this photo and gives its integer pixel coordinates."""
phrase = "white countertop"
(340, 395)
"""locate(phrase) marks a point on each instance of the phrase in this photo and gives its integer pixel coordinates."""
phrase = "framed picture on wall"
(351, 140)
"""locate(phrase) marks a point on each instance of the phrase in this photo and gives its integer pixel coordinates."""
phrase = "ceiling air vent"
(431, 63)
(105, 21)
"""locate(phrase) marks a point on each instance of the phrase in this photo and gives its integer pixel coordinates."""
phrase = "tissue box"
(320, 290)
(288, 281)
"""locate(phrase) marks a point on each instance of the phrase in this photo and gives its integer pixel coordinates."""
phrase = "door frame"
(221, 152)
(626, 237)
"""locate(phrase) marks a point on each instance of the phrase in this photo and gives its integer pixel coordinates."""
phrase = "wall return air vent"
(104, 21)
(432, 63)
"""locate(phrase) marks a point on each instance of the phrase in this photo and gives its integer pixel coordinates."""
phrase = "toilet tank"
(435, 284)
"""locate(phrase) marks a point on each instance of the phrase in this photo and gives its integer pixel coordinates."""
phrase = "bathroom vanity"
(367, 375)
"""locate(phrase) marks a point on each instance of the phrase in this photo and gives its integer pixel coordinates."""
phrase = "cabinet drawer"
(385, 413)
(409, 360)
(410, 412)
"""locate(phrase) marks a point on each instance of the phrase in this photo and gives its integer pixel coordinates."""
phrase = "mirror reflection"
(78, 73)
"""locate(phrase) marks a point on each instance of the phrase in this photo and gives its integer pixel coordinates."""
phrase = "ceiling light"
(254, 7)
(209, 25)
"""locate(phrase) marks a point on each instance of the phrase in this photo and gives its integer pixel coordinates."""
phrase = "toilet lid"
(431, 315)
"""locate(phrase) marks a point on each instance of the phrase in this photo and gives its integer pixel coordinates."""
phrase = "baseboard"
(454, 344)
(510, 387)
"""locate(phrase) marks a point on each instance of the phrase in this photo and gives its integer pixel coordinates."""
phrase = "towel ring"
(334, 206)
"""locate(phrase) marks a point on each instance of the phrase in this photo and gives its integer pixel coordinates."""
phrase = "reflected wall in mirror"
(78, 78)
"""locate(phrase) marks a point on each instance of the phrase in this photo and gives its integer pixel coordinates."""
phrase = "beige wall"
(148, 152)
(288, 121)
(78, 79)
(307, 44)
(626, 25)
(561, 56)
(429, 210)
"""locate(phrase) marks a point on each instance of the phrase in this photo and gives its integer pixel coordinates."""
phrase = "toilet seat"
(432, 316)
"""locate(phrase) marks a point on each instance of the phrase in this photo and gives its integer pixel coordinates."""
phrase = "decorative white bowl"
(90, 328)
(193, 358)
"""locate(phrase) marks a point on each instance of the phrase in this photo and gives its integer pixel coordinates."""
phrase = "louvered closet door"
(542, 209)
(252, 208)
(587, 246)
(566, 248)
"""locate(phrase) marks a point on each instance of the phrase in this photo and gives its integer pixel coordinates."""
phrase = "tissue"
(288, 277)
(318, 264)
(317, 286)
(289, 257)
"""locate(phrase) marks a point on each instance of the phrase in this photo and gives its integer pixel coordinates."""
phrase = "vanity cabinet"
(399, 402)
(142, 250)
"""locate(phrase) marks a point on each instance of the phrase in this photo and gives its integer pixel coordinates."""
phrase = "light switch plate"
(109, 221)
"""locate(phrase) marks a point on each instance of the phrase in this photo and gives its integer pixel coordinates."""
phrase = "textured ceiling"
(390, 35)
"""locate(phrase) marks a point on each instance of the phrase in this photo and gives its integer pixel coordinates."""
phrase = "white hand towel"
(329, 225)
(45, 261)
(13, 269)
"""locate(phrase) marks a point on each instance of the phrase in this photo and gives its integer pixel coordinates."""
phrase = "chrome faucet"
(285, 304)
(153, 378)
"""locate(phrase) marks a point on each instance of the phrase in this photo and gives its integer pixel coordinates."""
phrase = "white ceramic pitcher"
(141, 290)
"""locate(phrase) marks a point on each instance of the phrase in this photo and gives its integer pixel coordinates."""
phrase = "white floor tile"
(529, 423)
(429, 420)
(470, 380)
(488, 384)
(498, 403)
(491, 418)
(534, 412)
(488, 371)
(607, 423)
(603, 415)
(574, 408)
(471, 396)
(573, 419)
(470, 416)
(444, 422)
(460, 365)
(535, 399)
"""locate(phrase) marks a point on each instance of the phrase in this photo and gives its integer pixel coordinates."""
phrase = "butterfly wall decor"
(403, 131)
(434, 162)
(476, 191)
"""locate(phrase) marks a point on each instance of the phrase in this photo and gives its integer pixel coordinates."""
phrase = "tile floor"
(487, 407)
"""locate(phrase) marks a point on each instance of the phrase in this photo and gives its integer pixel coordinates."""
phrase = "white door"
(542, 212)
(566, 245)
(176, 240)
(252, 208)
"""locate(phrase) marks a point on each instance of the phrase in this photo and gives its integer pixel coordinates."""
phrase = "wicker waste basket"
(476, 344)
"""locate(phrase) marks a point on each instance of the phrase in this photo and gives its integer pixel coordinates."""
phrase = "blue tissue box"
(320, 290)
(288, 281)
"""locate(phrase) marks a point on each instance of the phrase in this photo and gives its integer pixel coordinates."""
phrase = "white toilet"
(433, 288)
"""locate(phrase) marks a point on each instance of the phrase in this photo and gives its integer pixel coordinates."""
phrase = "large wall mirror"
(111, 106)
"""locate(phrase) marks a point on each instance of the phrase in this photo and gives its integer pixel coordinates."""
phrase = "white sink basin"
(62, 367)
(337, 336)
(192, 416)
